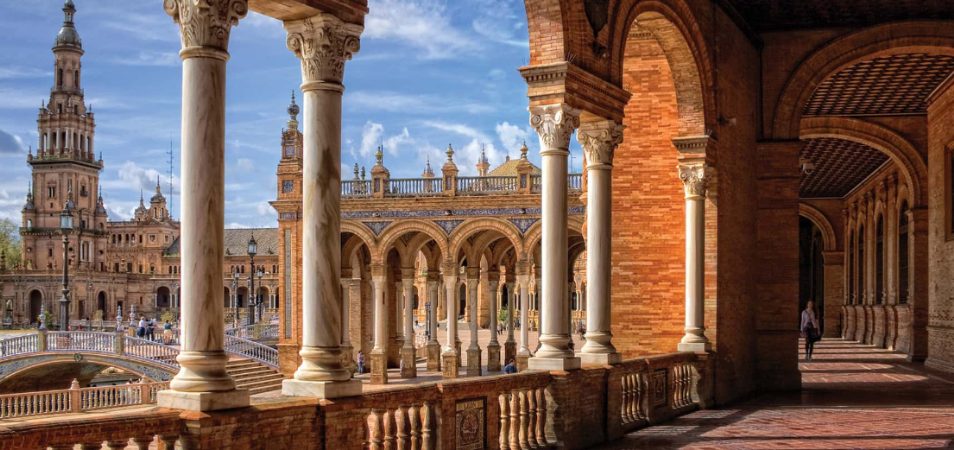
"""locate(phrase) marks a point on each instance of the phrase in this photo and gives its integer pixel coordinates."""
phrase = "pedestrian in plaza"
(360, 362)
(167, 333)
(151, 330)
(511, 367)
(809, 328)
(141, 327)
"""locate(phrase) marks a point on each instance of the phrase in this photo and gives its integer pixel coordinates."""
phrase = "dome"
(68, 35)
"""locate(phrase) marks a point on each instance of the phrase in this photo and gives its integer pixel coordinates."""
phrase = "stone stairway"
(253, 375)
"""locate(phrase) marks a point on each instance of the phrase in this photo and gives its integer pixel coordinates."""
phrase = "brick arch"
(400, 228)
(361, 232)
(473, 226)
(535, 232)
(677, 32)
(910, 163)
(349, 250)
(818, 218)
(546, 24)
(884, 40)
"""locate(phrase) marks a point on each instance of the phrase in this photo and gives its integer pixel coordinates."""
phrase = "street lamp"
(66, 225)
(252, 250)
(235, 318)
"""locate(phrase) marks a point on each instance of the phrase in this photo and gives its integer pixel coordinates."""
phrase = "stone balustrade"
(434, 187)
(532, 409)
(143, 429)
(76, 399)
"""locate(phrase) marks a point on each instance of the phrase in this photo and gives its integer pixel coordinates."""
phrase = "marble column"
(433, 347)
(450, 356)
(323, 43)
(693, 176)
(473, 351)
(599, 141)
(347, 350)
(510, 345)
(408, 366)
(202, 384)
(555, 125)
(493, 348)
(379, 352)
(523, 353)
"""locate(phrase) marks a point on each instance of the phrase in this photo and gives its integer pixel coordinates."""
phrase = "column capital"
(554, 124)
(694, 177)
(205, 23)
(599, 141)
(407, 274)
(323, 43)
(473, 273)
(378, 270)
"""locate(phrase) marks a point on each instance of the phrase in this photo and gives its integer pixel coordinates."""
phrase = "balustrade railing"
(257, 331)
(18, 345)
(150, 351)
(253, 350)
(407, 427)
(76, 399)
(574, 182)
(356, 188)
(414, 187)
(91, 341)
(523, 416)
(632, 404)
(486, 185)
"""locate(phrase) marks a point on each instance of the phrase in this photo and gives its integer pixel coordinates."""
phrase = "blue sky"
(429, 73)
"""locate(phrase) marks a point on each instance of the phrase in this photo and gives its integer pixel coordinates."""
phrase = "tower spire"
(293, 111)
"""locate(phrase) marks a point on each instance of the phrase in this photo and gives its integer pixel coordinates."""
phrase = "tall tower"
(64, 167)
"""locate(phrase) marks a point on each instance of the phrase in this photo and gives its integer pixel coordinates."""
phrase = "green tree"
(10, 242)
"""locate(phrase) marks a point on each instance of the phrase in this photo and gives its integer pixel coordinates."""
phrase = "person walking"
(141, 327)
(809, 329)
(360, 362)
(151, 330)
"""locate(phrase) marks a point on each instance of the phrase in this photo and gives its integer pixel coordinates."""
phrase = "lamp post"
(252, 250)
(66, 225)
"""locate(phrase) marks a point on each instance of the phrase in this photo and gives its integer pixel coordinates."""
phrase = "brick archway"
(474, 226)
(884, 40)
(818, 218)
(395, 231)
(900, 150)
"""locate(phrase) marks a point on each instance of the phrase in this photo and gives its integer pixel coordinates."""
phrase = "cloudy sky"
(429, 73)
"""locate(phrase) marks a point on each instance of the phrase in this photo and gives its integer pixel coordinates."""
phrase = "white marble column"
(510, 345)
(379, 352)
(473, 350)
(408, 367)
(433, 347)
(493, 348)
(693, 176)
(323, 43)
(599, 141)
(202, 384)
(346, 348)
(524, 282)
(555, 125)
(449, 355)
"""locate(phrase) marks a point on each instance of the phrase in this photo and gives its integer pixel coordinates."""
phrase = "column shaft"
(449, 355)
(694, 178)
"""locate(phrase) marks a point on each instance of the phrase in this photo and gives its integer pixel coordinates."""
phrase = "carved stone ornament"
(694, 179)
(323, 43)
(554, 124)
(206, 23)
(599, 141)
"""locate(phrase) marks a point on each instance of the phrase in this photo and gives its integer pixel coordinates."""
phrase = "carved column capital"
(205, 23)
(323, 43)
(694, 178)
(554, 124)
(599, 141)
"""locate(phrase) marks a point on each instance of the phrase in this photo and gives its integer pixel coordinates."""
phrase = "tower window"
(59, 78)
(51, 191)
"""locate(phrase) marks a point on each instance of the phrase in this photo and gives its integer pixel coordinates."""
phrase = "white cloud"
(245, 164)
(370, 138)
(511, 136)
(393, 143)
(10, 144)
(133, 177)
(23, 72)
(424, 24)
(261, 23)
(265, 209)
(150, 58)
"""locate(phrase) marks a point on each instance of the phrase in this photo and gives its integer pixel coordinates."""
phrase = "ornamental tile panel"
(448, 225)
(377, 227)
(524, 224)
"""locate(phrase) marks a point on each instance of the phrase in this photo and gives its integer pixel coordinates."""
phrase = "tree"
(10, 242)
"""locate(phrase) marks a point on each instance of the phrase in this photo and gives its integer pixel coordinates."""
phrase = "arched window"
(904, 262)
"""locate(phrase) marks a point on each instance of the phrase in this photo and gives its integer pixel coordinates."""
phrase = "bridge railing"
(252, 350)
(90, 341)
(256, 331)
(150, 351)
(17, 345)
(77, 399)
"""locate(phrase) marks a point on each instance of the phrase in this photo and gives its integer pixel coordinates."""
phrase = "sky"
(429, 73)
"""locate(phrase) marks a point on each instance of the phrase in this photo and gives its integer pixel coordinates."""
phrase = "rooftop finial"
(524, 150)
(450, 153)
(379, 156)
(68, 35)
(356, 171)
(293, 111)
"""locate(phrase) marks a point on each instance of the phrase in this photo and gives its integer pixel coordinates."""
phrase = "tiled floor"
(853, 397)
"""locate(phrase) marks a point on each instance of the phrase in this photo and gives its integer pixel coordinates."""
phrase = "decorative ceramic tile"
(470, 427)
(524, 224)
(448, 225)
(377, 227)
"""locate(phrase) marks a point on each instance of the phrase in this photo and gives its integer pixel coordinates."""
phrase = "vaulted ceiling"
(770, 15)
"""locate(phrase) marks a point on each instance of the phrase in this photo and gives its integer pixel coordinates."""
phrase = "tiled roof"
(236, 241)
(509, 169)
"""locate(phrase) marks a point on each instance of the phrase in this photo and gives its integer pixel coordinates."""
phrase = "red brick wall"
(941, 248)
(648, 211)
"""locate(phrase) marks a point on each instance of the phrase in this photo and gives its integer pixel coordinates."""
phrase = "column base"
(434, 357)
(510, 351)
(473, 362)
(379, 368)
(347, 358)
(523, 361)
(600, 359)
(493, 357)
(203, 401)
(408, 363)
(551, 364)
(451, 365)
(694, 347)
(321, 389)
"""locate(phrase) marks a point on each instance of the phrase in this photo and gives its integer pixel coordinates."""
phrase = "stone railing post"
(76, 400)
(41, 341)
(119, 343)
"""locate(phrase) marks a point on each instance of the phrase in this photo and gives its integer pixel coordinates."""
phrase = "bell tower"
(64, 166)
